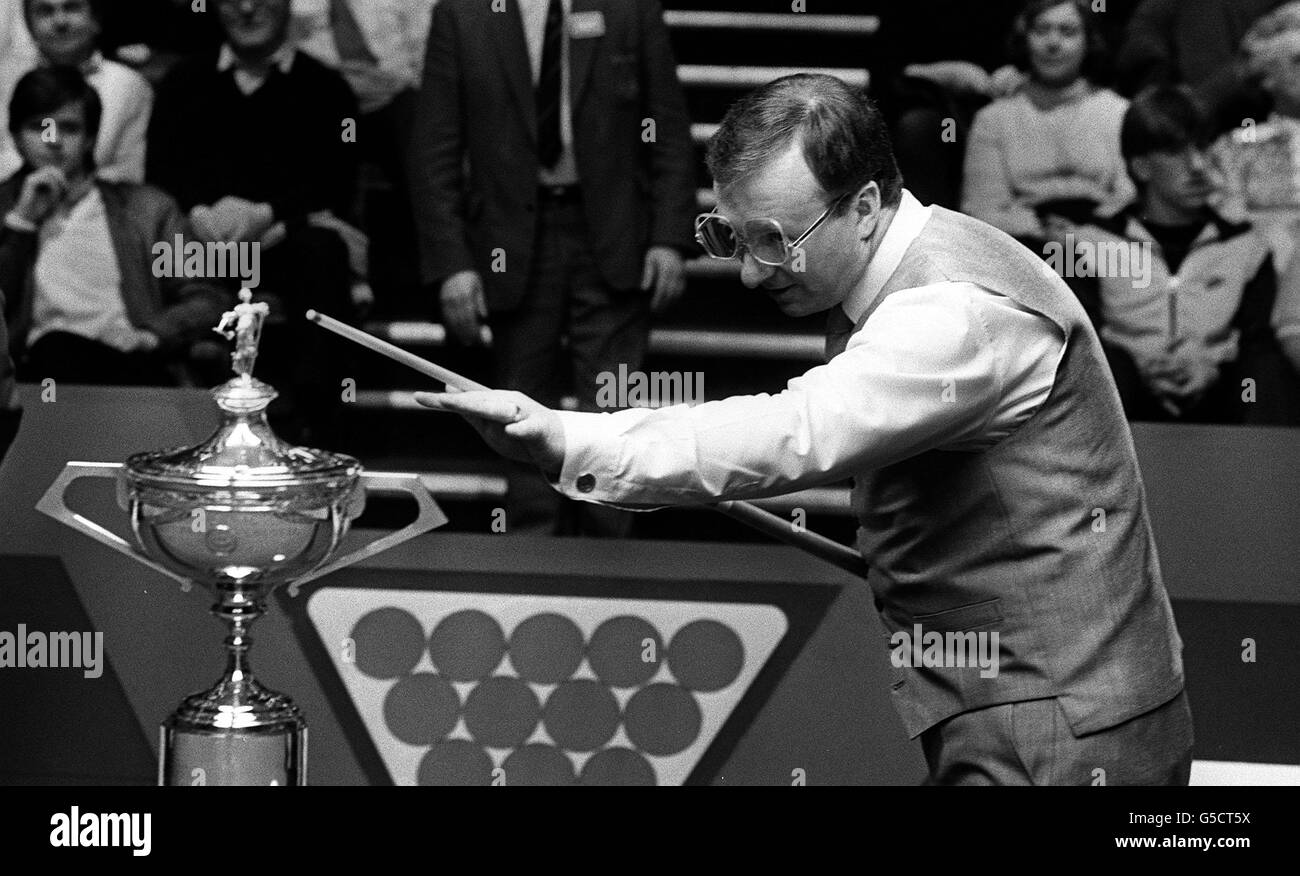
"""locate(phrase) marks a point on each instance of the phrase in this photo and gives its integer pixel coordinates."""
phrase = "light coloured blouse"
(1020, 156)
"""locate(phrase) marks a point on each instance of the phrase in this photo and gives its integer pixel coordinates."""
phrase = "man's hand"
(666, 274)
(232, 220)
(373, 85)
(42, 191)
(511, 423)
(464, 307)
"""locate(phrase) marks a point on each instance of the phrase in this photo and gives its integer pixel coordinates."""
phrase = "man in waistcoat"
(996, 485)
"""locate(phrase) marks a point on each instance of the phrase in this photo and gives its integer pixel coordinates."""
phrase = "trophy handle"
(429, 517)
(52, 504)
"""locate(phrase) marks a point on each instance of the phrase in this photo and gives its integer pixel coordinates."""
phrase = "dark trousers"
(1030, 743)
(570, 327)
(69, 358)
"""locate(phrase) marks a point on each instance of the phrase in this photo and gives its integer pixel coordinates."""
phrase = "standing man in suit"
(553, 183)
(996, 485)
(10, 413)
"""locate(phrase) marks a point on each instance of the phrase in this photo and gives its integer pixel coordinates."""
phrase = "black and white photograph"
(893, 394)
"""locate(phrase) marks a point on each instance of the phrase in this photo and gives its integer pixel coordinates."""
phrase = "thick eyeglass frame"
(742, 246)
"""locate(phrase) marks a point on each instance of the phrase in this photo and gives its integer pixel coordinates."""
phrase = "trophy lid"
(243, 453)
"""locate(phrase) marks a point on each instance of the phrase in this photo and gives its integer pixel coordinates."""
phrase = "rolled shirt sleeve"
(949, 366)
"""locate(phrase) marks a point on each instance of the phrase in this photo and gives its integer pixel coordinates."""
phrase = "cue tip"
(313, 316)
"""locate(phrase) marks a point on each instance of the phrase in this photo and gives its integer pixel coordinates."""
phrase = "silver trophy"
(240, 514)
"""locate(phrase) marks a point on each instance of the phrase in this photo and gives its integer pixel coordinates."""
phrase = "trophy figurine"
(240, 514)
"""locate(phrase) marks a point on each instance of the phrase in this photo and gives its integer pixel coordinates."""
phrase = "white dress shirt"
(78, 282)
(397, 32)
(534, 12)
(950, 366)
(247, 79)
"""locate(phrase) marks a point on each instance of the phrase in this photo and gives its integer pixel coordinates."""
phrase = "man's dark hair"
(1096, 57)
(1165, 118)
(46, 90)
(843, 136)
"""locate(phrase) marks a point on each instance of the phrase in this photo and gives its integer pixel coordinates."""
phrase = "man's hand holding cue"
(511, 423)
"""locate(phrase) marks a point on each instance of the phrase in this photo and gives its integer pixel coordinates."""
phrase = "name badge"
(585, 25)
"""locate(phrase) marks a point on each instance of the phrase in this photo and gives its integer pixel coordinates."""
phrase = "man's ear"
(867, 204)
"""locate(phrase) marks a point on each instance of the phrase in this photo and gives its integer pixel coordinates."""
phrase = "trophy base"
(205, 757)
(238, 733)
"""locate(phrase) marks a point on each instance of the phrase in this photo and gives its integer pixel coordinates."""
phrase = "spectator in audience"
(571, 221)
(1259, 164)
(16, 46)
(66, 32)
(1046, 158)
(1185, 295)
(378, 46)
(1197, 43)
(82, 299)
(254, 142)
(932, 68)
(1285, 325)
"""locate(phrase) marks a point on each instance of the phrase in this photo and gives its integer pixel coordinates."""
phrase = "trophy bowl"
(240, 514)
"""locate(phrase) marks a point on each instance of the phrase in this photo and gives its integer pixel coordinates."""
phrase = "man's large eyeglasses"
(764, 238)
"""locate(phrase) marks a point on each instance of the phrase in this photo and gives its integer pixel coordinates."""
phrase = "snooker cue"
(764, 521)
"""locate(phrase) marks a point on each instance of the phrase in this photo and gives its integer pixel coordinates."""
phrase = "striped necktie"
(548, 87)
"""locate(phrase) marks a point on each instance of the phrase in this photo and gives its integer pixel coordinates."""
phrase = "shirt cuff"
(17, 223)
(592, 450)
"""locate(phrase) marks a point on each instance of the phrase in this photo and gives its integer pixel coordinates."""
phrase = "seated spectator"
(1047, 158)
(1185, 311)
(66, 32)
(77, 256)
(930, 88)
(16, 46)
(1285, 325)
(252, 141)
(1259, 165)
(1195, 43)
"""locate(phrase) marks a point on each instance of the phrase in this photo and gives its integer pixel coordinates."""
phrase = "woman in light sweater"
(1047, 158)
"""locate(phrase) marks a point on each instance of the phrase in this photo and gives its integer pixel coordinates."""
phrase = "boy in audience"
(82, 300)
(67, 32)
(1184, 324)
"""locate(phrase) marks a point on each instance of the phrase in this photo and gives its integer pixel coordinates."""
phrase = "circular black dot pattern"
(455, 762)
(538, 765)
(421, 708)
(467, 645)
(617, 766)
(706, 656)
(662, 719)
(546, 648)
(387, 643)
(625, 651)
(502, 712)
(581, 715)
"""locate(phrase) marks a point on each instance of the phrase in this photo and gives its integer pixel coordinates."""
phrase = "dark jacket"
(477, 109)
(177, 310)
(9, 417)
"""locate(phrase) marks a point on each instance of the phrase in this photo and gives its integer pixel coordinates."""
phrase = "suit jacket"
(174, 309)
(474, 165)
